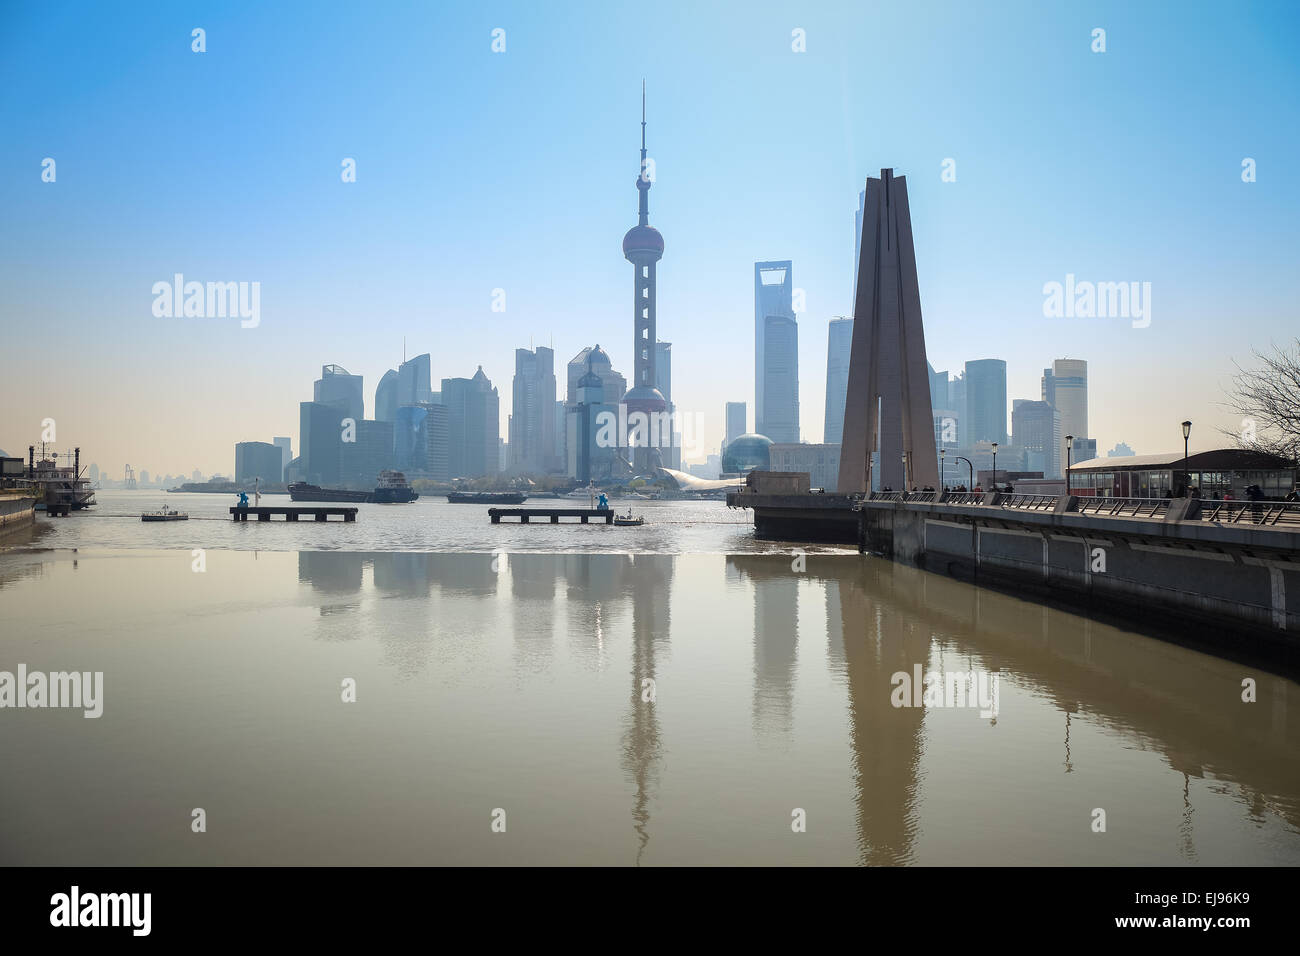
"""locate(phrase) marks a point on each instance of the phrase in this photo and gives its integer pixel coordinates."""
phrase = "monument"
(887, 406)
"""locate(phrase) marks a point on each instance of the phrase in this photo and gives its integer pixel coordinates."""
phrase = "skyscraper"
(887, 408)
(672, 455)
(643, 246)
(839, 347)
(386, 397)
(320, 441)
(473, 425)
(776, 352)
(340, 389)
(257, 459)
(1065, 388)
(1036, 427)
(415, 381)
(736, 417)
(285, 444)
(986, 402)
(532, 420)
(613, 384)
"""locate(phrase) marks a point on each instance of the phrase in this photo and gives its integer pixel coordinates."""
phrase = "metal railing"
(886, 496)
(964, 498)
(1124, 507)
(1251, 512)
(1029, 502)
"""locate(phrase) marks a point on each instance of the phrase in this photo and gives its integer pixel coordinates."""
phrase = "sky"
(479, 170)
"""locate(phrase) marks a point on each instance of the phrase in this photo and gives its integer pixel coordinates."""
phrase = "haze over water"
(517, 682)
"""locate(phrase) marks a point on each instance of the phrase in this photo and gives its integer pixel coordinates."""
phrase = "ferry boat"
(627, 521)
(57, 487)
(487, 497)
(165, 514)
(392, 489)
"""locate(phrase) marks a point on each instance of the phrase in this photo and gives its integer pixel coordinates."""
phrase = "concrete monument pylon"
(887, 408)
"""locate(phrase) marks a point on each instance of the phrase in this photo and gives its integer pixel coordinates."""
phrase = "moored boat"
(392, 489)
(165, 514)
(487, 497)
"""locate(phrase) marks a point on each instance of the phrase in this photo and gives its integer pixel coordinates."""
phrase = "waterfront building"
(596, 361)
(474, 425)
(822, 462)
(776, 352)
(256, 459)
(839, 348)
(1213, 474)
(532, 421)
(1120, 450)
(1084, 449)
(341, 389)
(591, 424)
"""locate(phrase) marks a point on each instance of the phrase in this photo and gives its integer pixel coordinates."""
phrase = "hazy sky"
(479, 170)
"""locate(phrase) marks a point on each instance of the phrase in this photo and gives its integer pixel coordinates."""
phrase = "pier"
(525, 515)
(293, 514)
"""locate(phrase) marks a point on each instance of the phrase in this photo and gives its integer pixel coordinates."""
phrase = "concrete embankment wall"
(16, 511)
(1226, 582)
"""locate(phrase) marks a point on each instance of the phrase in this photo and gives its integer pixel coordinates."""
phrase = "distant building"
(746, 453)
(474, 425)
(1065, 388)
(258, 459)
(371, 451)
(671, 457)
(1121, 450)
(776, 352)
(339, 388)
(421, 438)
(839, 346)
(386, 397)
(532, 421)
(986, 401)
(1085, 449)
(1036, 427)
(415, 381)
(285, 444)
(592, 449)
(613, 384)
(822, 462)
(320, 442)
(737, 415)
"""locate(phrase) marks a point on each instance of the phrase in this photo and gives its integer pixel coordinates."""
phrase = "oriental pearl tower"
(643, 246)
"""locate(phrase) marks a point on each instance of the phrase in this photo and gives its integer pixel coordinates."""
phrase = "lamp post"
(907, 479)
(970, 465)
(1187, 478)
(995, 466)
(942, 453)
(1069, 446)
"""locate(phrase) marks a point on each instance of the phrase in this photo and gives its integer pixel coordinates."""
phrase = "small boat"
(166, 514)
(627, 521)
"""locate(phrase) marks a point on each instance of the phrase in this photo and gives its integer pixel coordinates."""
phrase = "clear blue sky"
(479, 171)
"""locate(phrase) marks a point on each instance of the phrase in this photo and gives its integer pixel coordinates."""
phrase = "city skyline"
(348, 269)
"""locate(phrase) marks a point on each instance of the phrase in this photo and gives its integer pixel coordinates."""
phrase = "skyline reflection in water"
(621, 709)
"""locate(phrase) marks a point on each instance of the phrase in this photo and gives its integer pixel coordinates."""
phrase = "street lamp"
(995, 466)
(942, 453)
(970, 466)
(907, 481)
(1069, 445)
(1187, 477)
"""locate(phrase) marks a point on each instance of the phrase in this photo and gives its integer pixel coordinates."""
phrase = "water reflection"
(880, 619)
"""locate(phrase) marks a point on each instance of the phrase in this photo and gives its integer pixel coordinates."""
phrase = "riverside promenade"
(1227, 571)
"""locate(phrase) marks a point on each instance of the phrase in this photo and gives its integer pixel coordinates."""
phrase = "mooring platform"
(293, 514)
(553, 514)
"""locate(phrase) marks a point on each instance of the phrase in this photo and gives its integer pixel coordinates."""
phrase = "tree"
(1267, 396)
